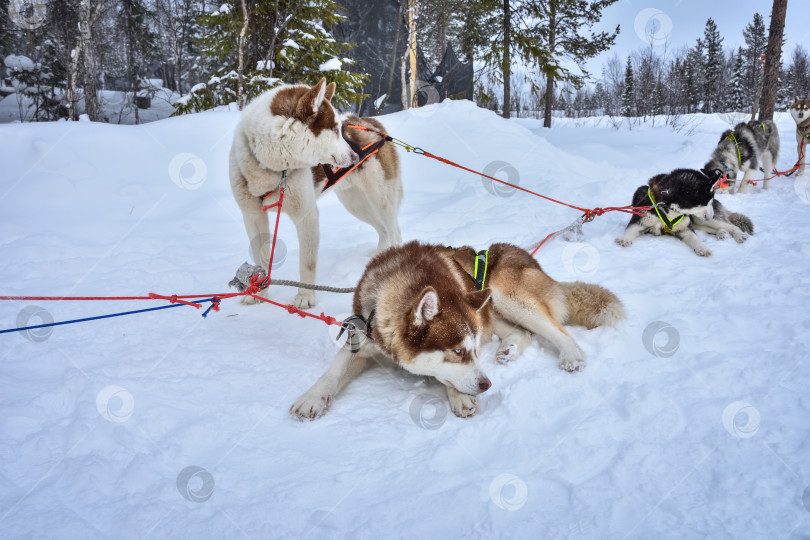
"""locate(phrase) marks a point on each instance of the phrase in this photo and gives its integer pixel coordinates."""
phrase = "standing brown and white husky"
(291, 130)
(800, 111)
(424, 309)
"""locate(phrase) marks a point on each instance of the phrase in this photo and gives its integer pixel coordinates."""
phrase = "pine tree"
(627, 91)
(498, 33)
(134, 24)
(695, 76)
(714, 63)
(773, 62)
(286, 41)
(738, 96)
(560, 31)
(658, 100)
(755, 43)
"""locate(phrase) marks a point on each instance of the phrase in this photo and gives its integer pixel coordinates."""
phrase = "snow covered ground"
(690, 421)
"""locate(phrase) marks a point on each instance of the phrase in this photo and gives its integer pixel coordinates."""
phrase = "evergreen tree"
(560, 32)
(498, 33)
(714, 64)
(627, 91)
(133, 23)
(738, 101)
(286, 41)
(601, 100)
(658, 100)
(695, 76)
(755, 43)
(799, 74)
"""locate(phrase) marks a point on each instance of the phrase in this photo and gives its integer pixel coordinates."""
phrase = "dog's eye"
(459, 352)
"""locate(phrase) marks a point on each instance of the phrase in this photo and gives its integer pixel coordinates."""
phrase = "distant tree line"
(530, 56)
(701, 78)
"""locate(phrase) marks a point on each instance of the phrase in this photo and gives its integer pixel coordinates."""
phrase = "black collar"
(363, 154)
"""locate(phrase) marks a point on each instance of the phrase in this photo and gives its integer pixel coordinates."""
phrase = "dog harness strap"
(663, 217)
(283, 179)
(362, 154)
(479, 279)
(733, 138)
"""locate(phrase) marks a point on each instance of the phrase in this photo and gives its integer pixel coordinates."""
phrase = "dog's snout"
(484, 384)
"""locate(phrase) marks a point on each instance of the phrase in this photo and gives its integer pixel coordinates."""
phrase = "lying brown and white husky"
(800, 111)
(430, 308)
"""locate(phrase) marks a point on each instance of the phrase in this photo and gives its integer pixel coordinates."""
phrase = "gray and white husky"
(743, 149)
(685, 202)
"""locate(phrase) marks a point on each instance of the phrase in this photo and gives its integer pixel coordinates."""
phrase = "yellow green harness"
(668, 225)
(481, 257)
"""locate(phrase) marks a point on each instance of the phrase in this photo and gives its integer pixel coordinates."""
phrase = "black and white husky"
(743, 149)
(683, 201)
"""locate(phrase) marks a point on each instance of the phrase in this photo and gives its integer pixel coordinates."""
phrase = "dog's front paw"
(741, 237)
(572, 359)
(507, 352)
(248, 300)
(721, 234)
(622, 242)
(311, 405)
(305, 299)
(463, 405)
(703, 251)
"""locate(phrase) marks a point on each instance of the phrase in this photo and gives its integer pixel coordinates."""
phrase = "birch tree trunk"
(87, 18)
(240, 94)
(412, 53)
(506, 63)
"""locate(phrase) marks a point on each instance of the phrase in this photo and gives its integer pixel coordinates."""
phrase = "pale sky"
(683, 21)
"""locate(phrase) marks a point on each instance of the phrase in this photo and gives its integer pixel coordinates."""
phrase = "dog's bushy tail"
(741, 221)
(591, 305)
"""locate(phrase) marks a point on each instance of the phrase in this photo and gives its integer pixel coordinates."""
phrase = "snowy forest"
(110, 59)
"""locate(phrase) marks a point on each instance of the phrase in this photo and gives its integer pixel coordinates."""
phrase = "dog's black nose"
(484, 384)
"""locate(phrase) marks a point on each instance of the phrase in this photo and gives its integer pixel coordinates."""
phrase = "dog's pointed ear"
(427, 308)
(311, 101)
(330, 91)
(479, 299)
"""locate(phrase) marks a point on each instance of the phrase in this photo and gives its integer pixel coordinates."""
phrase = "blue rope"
(212, 300)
